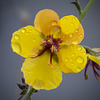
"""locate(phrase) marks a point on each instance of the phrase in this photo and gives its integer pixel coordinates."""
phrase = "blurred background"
(15, 14)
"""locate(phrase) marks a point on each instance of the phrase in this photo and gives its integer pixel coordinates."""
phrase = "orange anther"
(52, 48)
(33, 56)
(43, 42)
(50, 64)
(49, 41)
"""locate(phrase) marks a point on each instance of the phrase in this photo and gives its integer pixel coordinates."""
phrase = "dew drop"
(66, 60)
(79, 48)
(30, 31)
(75, 42)
(16, 47)
(74, 19)
(72, 24)
(16, 37)
(72, 64)
(70, 35)
(65, 19)
(73, 55)
(27, 33)
(54, 23)
(71, 60)
(78, 69)
(79, 60)
(76, 30)
(81, 35)
(84, 53)
(33, 39)
(23, 30)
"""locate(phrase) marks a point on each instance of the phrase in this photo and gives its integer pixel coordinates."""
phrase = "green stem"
(28, 95)
(77, 6)
(85, 11)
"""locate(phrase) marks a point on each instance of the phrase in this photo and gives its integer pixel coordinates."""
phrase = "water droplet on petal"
(71, 60)
(33, 39)
(78, 69)
(84, 53)
(27, 33)
(74, 19)
(81, 35)
(16, 37)
(72, 24)
(16, 47)
(23, 30)
(79, 60)
(54, 23)
(70, 35)
(30, 31)
(76, 30)
(73, 55)
(65, 19)
(79, 48)
(72, 64)
(75, 42)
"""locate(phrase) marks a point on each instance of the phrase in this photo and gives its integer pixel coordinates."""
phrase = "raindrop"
(54, 23)
(78, 69)
(65, 19)
(72, 64)
(71, 60)
(16, 37)
(79, 60)
(30, 31)
(84, 53)
(75, 42)
(33, 39)
(79, 48)
(76, 30)
(70, 35)
(16, 47)
(23, 30)
(73, 55)
(74, 19)
(27, 33)
(81, 35)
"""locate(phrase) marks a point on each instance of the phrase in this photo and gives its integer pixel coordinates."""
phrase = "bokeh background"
(15, 14)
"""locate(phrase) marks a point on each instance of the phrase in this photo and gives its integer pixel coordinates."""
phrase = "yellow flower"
(50, 47)
(94, 62)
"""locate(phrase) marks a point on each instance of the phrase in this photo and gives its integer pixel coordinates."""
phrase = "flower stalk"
(83, 13)
(29, 93)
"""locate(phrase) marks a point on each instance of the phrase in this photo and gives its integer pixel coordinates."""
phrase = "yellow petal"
(39, 74)
(26, 40)
(72, 30)
(95, 59)
(72, 58)
(45, 19)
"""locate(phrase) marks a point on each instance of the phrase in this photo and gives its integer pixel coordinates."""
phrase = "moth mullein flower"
(50, 48)
(94, 62)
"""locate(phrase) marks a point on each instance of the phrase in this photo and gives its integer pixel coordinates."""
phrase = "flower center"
(50, 44)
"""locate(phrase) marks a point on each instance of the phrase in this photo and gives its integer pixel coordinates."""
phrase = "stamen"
(86, 76)
(52, 51)
(43, 42)
(49, 41)
(95, 72)
(39, 53)
(50, 64)
(52, 48)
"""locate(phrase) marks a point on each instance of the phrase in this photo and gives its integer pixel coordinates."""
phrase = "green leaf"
(92, 52)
